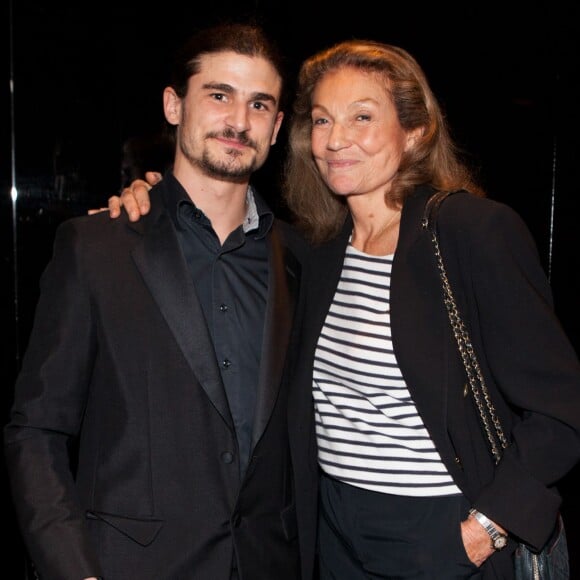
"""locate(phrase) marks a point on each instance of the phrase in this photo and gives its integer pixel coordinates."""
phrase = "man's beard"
(227, 169)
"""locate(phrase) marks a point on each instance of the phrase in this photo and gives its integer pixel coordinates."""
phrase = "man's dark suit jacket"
(505, 298)
(120, 367)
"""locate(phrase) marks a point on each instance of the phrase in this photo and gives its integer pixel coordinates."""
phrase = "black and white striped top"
(369, 432)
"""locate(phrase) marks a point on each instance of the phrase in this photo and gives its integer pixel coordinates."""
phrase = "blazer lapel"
(161, 263)
(326, 264)
(418, 317)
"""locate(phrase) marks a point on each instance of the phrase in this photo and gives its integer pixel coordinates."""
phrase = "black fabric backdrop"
(78, 80)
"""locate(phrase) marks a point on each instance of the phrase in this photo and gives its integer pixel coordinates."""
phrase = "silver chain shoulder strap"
(489, 418)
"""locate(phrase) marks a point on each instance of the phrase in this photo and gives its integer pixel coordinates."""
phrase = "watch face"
(500, 542)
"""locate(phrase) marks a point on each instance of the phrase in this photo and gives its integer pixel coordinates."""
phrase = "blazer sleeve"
(531, 363)
(50, 396)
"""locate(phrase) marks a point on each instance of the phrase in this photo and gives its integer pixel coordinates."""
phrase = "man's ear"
(171, 106)
(277, 125)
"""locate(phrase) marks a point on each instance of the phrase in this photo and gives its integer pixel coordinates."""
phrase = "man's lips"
(231, 143)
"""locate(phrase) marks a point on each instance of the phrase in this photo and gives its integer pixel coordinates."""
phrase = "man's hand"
(135, 198)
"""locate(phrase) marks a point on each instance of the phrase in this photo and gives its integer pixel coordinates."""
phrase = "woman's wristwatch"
(498, 539)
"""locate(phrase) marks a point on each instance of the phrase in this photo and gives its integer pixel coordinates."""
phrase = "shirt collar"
(259, 217)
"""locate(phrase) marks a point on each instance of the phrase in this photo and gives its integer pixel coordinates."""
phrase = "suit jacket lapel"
(283, 281)
(161, 263)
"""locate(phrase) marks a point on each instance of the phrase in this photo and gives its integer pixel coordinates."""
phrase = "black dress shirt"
(231, 281)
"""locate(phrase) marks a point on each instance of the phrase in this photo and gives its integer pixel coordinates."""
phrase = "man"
(149, 435)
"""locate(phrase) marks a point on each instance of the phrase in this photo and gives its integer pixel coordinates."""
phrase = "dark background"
(78, 79)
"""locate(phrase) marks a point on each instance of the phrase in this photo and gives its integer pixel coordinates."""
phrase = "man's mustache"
(240, 137)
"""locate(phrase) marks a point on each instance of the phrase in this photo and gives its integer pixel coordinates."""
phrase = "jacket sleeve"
(46, 417)
(532, 365)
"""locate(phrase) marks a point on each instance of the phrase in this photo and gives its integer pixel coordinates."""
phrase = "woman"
(403, 458)
(408, 486)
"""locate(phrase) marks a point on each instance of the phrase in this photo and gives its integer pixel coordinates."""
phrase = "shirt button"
(227, 457)
(226, 363)
(197, 214)
(223, 308)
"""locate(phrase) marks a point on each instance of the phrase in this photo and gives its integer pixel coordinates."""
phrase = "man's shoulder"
(99, 227)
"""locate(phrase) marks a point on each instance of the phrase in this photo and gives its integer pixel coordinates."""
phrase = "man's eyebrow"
(223, 87)
(226, 88)
(264, 97)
